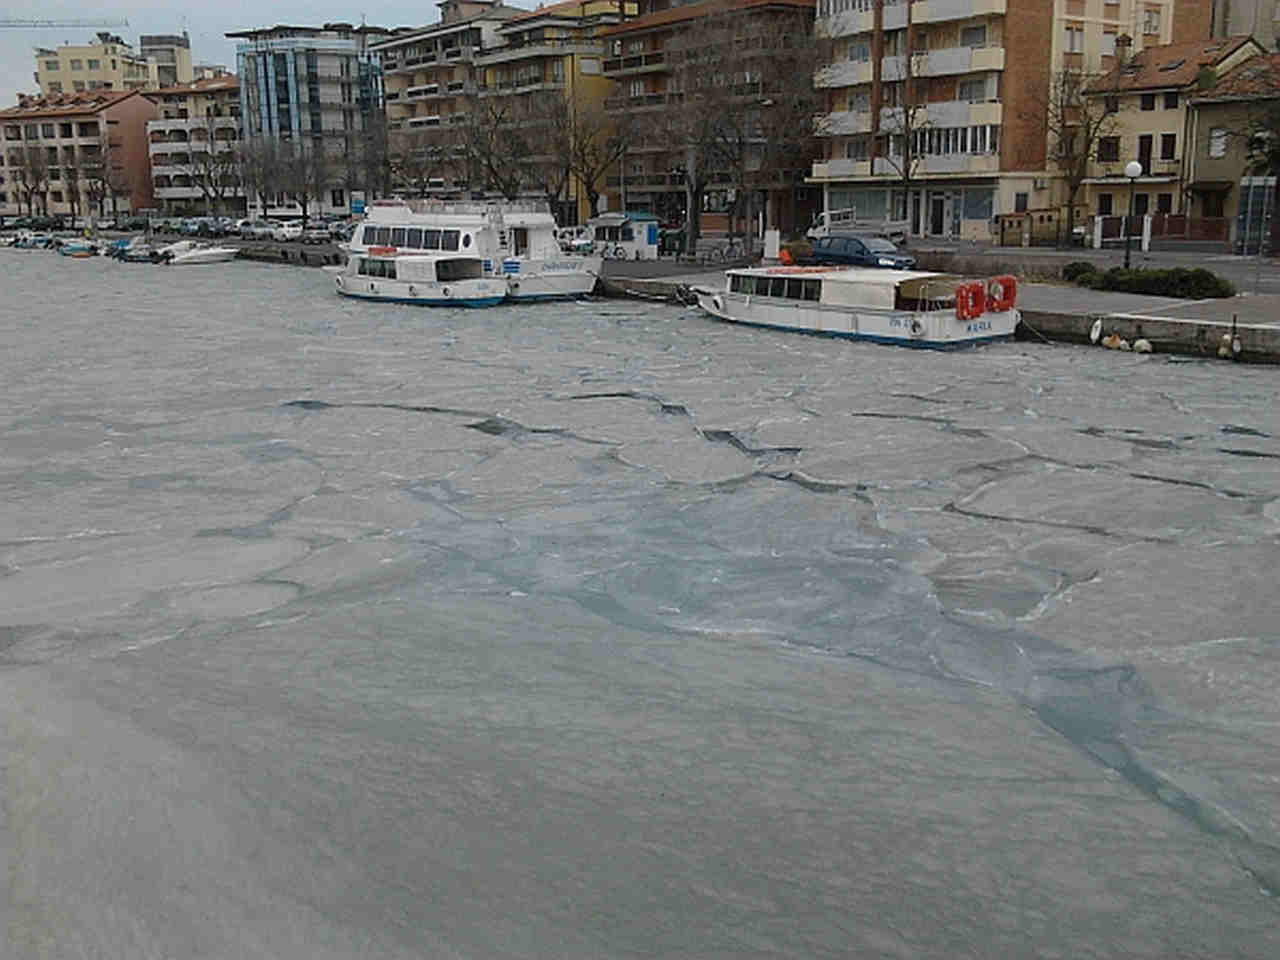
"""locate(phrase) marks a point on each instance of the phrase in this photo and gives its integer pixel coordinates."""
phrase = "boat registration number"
(978, 326)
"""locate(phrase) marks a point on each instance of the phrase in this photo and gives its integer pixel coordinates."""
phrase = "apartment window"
(56, 196)
(1111, 104)
(338, 199)
(1151, 20)
(856, 148)
(1075, 39)
(637, 88)
(54, 172)
(1141, 204)
(95, 84)
(46, 131)
(1108, 149)
(1164, 203)
(1148, 102)
(66, 130)
(1171, 100)
(1218, 142)
(1168, 146)
(77, 84)
(1108, 44)
(95, 64)
(113, 65)
(77, 64)
(895, 43)
(1020, 202)
(54, 86)
(972, 91)
(860, 101)
(973, 36)
(860, 51)
(51, 64)
(1104, 205)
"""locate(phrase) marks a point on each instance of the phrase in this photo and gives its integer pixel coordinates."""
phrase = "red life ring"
(971, 301)
(1002, 293)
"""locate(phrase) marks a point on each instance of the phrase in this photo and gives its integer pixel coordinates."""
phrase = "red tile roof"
(1256, 78)
(1168, 65)
(65, 104)
(694, 11)
(568, 8)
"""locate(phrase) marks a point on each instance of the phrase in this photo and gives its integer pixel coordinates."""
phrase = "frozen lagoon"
(604, 630)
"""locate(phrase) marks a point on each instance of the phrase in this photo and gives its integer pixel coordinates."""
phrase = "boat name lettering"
(978, 326)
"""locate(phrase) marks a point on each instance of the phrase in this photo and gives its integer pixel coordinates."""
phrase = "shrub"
(1076, 269)
(1194, 284)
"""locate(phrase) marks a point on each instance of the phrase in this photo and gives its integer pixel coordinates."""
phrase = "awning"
(1211, 186)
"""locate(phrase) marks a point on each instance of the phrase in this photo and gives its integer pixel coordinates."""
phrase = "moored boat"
(433, 281)
(905, 307)
(515, 240)
(190, 252)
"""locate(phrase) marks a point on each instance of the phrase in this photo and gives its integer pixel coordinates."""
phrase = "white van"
(846, 221)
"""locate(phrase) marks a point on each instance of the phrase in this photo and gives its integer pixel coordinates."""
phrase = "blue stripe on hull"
(423, 302)
(873, 338)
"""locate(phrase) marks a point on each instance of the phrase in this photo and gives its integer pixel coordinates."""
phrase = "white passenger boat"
(188, 252)
(906, 307)
(433, 281)
(515, 240)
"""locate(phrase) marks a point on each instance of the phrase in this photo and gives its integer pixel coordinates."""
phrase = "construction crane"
(58, 24)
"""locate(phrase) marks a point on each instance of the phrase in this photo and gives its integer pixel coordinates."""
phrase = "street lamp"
(1132, 170)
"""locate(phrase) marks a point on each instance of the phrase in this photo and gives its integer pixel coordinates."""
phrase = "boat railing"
(481, 207)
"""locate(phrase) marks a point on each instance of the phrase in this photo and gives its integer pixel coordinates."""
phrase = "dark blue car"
(859, 250)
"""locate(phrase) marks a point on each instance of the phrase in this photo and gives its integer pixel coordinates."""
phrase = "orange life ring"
(785, 258)
(971, 301)
(1002, 293)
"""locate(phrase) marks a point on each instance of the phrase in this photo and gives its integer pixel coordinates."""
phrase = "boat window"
(461, 269)
(739, 284)
(389, 268)
(430, 239)
(794, 287)
(466, 239)
(397, 237)
(824, 245)
(381, 236)
(761, 286)
(362, 267)
(777, 286)
(449, 240)
(413, 239)
(628, 233)
(812, 290)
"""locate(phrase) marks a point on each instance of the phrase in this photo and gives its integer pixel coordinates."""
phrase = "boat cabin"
(913, 290)
(420, 269)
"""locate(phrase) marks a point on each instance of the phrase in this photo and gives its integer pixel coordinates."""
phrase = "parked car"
(133, 223)
(285, 232)
(859, 250)
(315, 235)
(257, 230)
(341, 230)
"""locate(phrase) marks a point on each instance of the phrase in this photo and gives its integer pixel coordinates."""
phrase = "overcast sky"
(206, 23)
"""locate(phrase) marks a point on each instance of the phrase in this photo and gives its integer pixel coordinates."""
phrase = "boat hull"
(569, 279)
(216, 255)
(932, 330)
(460, 293)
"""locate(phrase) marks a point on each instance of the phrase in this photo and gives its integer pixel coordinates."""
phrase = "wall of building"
(119, 67)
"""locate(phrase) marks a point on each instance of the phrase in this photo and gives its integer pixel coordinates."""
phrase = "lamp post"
(1132, 170)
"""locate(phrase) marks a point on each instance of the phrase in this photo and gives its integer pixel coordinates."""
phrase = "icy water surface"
(333, 630)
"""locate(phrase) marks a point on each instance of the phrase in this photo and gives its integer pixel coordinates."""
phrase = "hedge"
(1193, 284)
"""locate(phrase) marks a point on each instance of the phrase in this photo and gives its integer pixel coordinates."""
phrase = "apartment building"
(192, 146)
(298, 82)
(72, 153)
(1150, 94)
(936, 108)
(432, 77)
(1259, 19)
(105, 63)
(650, 59)
(171, 53)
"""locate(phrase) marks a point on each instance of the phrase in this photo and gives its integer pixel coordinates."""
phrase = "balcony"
(936, 11)
(845, 73)
(840, 168)
(431, 121)
(536, 49)
(950, 113)
(844, 122)
(846, 23)
(421, 92)
(635, 63)
(958, 60)
(156, 149)
(966, 164)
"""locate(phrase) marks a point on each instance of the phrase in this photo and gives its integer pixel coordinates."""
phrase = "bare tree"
(261, 169)
(417, 158)
(32, 176)
(1075, 124)
(905, 121)
(596, 141)
(493, 147)
(215, 168)
(71, 176)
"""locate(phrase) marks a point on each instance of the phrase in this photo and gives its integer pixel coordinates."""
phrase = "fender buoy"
(1095, 332)
(445, 291)
(373, 287)
(916, 328)
(718, 303)
(785, 258)
(971, 301)
(339, 279)
(413, 291)
(1002, 293)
